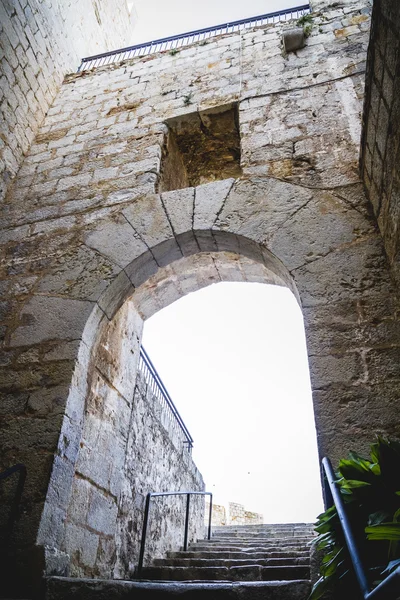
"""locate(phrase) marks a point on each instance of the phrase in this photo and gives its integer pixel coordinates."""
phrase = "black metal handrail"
(151, 495)
(153, 380)
(184, 39)
(21, 469)
(389, 588)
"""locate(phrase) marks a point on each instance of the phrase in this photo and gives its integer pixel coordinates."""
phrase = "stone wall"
(86, 229)
(127, 446)
(380, 150)
(238, 515)
(41, 41)
(235, 515)
(218, 516)
(158, 461)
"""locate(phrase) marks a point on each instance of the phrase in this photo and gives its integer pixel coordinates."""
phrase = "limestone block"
(115, 294)
(293, 39)
(345, 369)
(102, 514)
(46, 317)
(84, 542)
(209, 199)
(179, 206)
(256, 209)
(141, 268)
(116, 240)
(300, 239)
(148, 217)
(349, 276)
(83, 274)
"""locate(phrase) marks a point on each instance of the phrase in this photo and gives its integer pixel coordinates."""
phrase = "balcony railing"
(158, 389)
(184, 39)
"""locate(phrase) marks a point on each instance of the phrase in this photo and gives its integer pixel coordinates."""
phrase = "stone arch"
(321, 242)
(208, 257)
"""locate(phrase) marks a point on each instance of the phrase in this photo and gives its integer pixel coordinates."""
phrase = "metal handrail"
(184, 39)
(151, 495)
(389, 588)
(159, 390)
(21, 469)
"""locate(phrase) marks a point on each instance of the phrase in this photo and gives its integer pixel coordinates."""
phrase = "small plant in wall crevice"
(371, 491)
(306, 22)
(187, 99)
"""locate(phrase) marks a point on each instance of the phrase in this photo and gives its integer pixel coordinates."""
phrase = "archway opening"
(233, 357)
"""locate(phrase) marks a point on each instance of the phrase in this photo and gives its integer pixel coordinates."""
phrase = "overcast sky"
(233, 356)
(161, 18)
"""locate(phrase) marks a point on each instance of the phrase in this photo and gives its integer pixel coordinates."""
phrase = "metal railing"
(151, 495)
(15, 506)
(389, 588)
(175, 42)
(157, 387)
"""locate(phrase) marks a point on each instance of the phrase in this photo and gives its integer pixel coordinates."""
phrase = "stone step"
(238, 555)
(272, 531)
(265, 548)
(263, 533)
(265, 526)
(227, 562)
(60, 588)
(244, 573)
(259, 539)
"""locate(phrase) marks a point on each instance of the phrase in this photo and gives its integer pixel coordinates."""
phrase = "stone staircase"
(241, 553)
(252, 562)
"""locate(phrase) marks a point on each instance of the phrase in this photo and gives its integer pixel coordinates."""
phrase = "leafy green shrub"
(371, 491)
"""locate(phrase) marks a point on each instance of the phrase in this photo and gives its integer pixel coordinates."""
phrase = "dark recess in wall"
(201, 147)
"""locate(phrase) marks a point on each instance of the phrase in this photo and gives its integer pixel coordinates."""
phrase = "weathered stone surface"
(117, 240)
(85, 231)
(381, 120)
(39, 46)
(209, 200)
(86, 589)
(257, 208)
(45, 317)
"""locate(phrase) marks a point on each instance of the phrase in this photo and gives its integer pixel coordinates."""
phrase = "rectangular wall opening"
(201, 147)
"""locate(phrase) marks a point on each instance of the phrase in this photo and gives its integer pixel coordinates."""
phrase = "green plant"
(306, 22)
(371, 491)
(174, 51)
(187, 99)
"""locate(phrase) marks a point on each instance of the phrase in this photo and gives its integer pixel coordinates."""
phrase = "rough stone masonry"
(108, 220)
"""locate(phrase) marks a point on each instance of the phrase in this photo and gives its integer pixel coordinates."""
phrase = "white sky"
(233, 356)
(161, 18)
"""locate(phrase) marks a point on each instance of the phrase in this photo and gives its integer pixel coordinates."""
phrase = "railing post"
(346, 526)
(185, 541)
(209, 517)
(144, 532)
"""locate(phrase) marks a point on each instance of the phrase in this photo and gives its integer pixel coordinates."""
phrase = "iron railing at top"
(175, 42)
(389, 588)
(15, 506)
(149, 497)
(159, 390)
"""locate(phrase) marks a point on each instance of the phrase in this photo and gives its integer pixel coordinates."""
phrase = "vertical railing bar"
(151, 495)
(144, 532)
(185, 541)
(210, 516)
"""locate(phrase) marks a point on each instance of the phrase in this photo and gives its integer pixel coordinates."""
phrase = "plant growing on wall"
(371, 492)
(306, 22)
